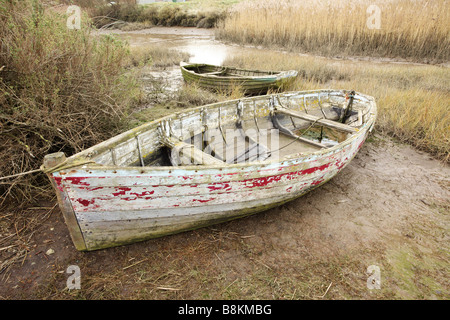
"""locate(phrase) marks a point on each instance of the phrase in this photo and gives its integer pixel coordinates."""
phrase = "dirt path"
(388, 208)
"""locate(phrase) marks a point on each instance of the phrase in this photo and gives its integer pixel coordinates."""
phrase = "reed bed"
(157, 56)
(414, 30)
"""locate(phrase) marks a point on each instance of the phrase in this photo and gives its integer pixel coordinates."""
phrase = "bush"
(60, 90)
(167, 16)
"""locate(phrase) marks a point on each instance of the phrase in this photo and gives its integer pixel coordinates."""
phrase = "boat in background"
(225, 79)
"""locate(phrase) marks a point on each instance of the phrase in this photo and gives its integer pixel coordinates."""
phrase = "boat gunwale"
(82, 160)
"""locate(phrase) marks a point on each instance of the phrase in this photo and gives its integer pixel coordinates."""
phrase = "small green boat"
(221, 78)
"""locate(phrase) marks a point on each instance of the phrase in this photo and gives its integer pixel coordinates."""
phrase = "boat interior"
(239, 131)
(206, 69)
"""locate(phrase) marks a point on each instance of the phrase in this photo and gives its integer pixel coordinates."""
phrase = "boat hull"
(249, 84)
(116, 206)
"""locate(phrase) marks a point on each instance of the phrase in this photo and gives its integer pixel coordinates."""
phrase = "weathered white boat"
(178, 173)
(225, 78)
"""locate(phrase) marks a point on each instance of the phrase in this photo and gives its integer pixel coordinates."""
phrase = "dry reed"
(416, 30)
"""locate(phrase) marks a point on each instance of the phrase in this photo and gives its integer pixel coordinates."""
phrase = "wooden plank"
(196, 155)
(311, 118)
(214, 72)
(87, 198)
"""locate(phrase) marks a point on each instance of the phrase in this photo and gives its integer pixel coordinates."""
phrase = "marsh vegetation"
(416, 30)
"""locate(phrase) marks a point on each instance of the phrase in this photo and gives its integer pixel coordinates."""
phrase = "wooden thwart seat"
(216, 73)
(318, 120)
(196, 156)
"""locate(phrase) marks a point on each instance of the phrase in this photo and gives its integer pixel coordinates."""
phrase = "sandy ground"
(388, 208)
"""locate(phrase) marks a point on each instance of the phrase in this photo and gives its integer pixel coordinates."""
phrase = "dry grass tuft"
(16, 233)
(158, 56)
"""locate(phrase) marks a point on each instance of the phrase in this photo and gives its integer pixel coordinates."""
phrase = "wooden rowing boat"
(219, 78)
(178, 173)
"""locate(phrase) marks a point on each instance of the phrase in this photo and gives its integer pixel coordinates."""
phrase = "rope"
(64, 165)
(20, 174)
(298, 137)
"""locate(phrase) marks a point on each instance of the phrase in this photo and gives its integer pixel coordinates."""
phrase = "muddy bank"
(203, 46)
(199, 43)
(388, 208)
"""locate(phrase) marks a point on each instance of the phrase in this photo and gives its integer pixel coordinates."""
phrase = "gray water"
(199, 43)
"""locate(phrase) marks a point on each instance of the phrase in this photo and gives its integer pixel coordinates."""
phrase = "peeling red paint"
(360, 145)
(145, 193)
(203, 201)
(58, 181)
(85, 202)
(220, 186)
(340, 164)
(78, 180)
(264, 181)
(124, 194)
(122, 191)
(314, 169)
(317, 182)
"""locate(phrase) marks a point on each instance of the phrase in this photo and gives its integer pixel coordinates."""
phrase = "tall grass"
(413, 100)
(159, 56)
(416, 30)
(60, 90)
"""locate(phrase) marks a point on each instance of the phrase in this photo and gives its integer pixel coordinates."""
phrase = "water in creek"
(202, 47)
(199, 43)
